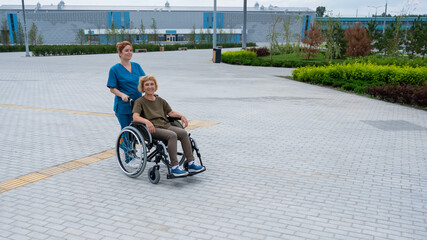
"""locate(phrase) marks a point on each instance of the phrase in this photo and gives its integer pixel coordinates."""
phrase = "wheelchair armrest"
(175, 122)
(143, 130)
(172, 119)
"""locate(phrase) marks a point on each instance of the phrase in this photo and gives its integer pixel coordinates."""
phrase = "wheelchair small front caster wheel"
(153, 175)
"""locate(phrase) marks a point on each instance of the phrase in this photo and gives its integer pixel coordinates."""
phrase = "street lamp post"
(385, 15)
(214, 25)
(375, 11)
(245, 14)
(27, 51)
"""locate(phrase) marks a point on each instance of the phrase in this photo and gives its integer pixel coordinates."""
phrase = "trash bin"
(162, 49)
(216, 55)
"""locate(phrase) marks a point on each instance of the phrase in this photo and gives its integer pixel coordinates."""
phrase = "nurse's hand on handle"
(125, 98)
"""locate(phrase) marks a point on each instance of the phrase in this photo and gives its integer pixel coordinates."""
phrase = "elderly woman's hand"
(150, 127)
(184, 121)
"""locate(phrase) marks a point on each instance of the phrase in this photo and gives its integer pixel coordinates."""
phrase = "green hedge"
(382, 60)
(268, 63)
(12, 48)
(55, 50)
(239, 54)
(366, 73)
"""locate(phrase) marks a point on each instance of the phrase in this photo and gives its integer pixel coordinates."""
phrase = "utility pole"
(376, 8)
(27, 50)
(385, 15)
(245, 14)
(214, 25)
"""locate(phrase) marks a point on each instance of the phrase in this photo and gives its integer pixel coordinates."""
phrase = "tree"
(273, 36)
(298, 20)
(155, 34)
(389, 43)
(122, 34)
(192, 36)
(21, 36)
(112, 34)
(202, 36)
(286, 46)
(90, 36)
(230, 35)
(32, 34)
(320, 11)
(371, 29)
(220, 35)
(395, 37)
(209, 36)
(80, 36)
(358, 45)
(416, 38)
(142, 33)
(4, 33)
(40, 39)
(313, 39)
(333, 48)
(338, 35)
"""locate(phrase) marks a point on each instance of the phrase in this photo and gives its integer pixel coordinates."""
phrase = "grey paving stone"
(286, 161)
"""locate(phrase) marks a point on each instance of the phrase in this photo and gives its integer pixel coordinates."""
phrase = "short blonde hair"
(144, 79)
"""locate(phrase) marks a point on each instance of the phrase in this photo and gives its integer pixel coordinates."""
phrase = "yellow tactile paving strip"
(58, 110)
(193, 124)
(52, 171)
(64, 167)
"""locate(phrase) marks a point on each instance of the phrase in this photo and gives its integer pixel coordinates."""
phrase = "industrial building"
(61, 23)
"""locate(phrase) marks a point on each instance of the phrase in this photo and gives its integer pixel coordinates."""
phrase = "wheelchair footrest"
(171, 176)
(195, 173)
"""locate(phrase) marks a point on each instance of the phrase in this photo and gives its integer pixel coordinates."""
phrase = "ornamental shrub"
(364, 72)
(239, 54)
(384, 60)
(260, 52)
(406, 94)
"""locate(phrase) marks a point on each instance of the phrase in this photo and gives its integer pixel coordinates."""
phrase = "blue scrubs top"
(127, 83)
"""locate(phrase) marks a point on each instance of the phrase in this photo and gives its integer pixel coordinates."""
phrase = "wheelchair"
(135, 145)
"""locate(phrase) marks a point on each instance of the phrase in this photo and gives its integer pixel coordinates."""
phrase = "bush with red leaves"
(407, 94)
(260, 52)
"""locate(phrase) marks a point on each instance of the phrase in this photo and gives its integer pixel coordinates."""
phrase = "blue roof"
(53, 7)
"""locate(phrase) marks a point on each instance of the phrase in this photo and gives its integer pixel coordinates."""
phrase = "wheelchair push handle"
(131, 102)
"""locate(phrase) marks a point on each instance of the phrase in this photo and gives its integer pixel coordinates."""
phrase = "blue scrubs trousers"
(124, 119)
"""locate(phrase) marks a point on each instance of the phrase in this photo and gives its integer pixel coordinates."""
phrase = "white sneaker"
(134, 163)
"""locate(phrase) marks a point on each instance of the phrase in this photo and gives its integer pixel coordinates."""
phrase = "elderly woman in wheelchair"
(154, 125)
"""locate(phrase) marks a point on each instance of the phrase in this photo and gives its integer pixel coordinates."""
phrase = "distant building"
(345, 22)
(59, 24)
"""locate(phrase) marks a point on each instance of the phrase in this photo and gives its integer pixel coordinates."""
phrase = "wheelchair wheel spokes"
(131, 152)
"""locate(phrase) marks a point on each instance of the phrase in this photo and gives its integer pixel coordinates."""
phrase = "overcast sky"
(345, 8)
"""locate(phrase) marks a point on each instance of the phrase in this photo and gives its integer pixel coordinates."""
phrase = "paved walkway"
(286, 161)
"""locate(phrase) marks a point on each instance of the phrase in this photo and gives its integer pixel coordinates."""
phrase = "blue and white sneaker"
(134, 163)
(195, 168)
(178, 172)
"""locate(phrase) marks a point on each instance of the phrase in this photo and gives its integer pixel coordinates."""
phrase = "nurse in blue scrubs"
(123, 82)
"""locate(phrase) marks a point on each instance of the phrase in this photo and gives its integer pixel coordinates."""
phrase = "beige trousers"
(171, 135)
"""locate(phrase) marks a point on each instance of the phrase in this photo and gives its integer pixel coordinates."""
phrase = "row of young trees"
(114, 35)
(359, 40)
(34, 36)
(353, 41)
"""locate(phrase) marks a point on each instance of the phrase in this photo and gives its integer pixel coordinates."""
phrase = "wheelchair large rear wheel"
(131, 152)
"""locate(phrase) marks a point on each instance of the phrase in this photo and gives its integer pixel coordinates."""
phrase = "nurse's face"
(149, 87)
(126, 53)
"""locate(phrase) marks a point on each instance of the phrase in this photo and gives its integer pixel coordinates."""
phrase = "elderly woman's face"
(149, 87)
(126, 52)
